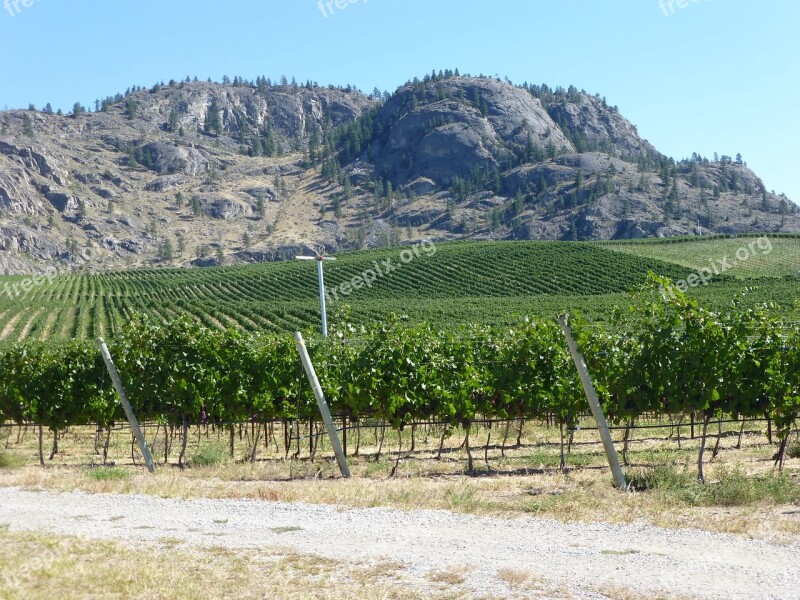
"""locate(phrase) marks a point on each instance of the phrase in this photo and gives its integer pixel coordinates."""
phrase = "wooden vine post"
(594, 404)
(112, 370)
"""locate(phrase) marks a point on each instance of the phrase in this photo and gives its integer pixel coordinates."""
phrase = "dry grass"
(34, 566)
(455, 575)
(621, 593)
(743, 495)
(516, 578)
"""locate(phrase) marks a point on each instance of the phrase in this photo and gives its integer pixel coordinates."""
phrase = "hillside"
(448, 284)
(200, 173)
(779, 258)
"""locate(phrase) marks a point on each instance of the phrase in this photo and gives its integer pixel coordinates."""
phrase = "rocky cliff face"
(200, 173)
(449, 129)
(595, 125)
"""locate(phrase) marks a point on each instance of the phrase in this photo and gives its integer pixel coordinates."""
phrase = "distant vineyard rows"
(280, 297)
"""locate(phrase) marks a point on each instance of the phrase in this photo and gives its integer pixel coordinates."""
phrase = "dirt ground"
(516, 525)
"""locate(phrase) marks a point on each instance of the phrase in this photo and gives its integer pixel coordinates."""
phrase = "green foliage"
(213, 120)
(27, 126)
(794, 449)
(674, 357)
(174, 122)
(778, 259)
(208, 454)
(131, 106)
(9, 461)
(165, 250)
(499, 283)
(197, 206)
(107, 474)
(732, 487)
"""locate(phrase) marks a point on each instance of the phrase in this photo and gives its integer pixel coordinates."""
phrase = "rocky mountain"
(199, 173)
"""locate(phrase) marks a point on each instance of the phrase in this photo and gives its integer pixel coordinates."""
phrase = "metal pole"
(594, 404)
(112, 370)
(323, 405)
(322, 298)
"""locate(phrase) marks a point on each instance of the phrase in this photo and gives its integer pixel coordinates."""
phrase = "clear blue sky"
(713, 76)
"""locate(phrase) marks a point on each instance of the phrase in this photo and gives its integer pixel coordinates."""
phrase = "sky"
(700, 76)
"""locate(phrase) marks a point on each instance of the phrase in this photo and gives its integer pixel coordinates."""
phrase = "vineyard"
(663, 358)
(487, 283)
(781, 258)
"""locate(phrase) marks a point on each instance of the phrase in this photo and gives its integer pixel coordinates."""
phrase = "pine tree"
(131, 106)
(542, 185)
(27, 126)
(261, 206)
(519, 202)
(269, 142)
(197, 206)
(212, 122)
(313, 145)
(174, 121)
(165, 250)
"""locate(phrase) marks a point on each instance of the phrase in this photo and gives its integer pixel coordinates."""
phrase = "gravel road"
(584, 558)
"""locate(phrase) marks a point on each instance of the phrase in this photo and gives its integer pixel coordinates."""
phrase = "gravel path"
(583, 557)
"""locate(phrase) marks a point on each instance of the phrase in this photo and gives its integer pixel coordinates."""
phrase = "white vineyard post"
(323, 405)
(594, 404)
(321, 282)
(112, 370)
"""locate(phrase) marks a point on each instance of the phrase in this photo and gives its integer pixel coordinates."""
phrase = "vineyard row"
(663, 357)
